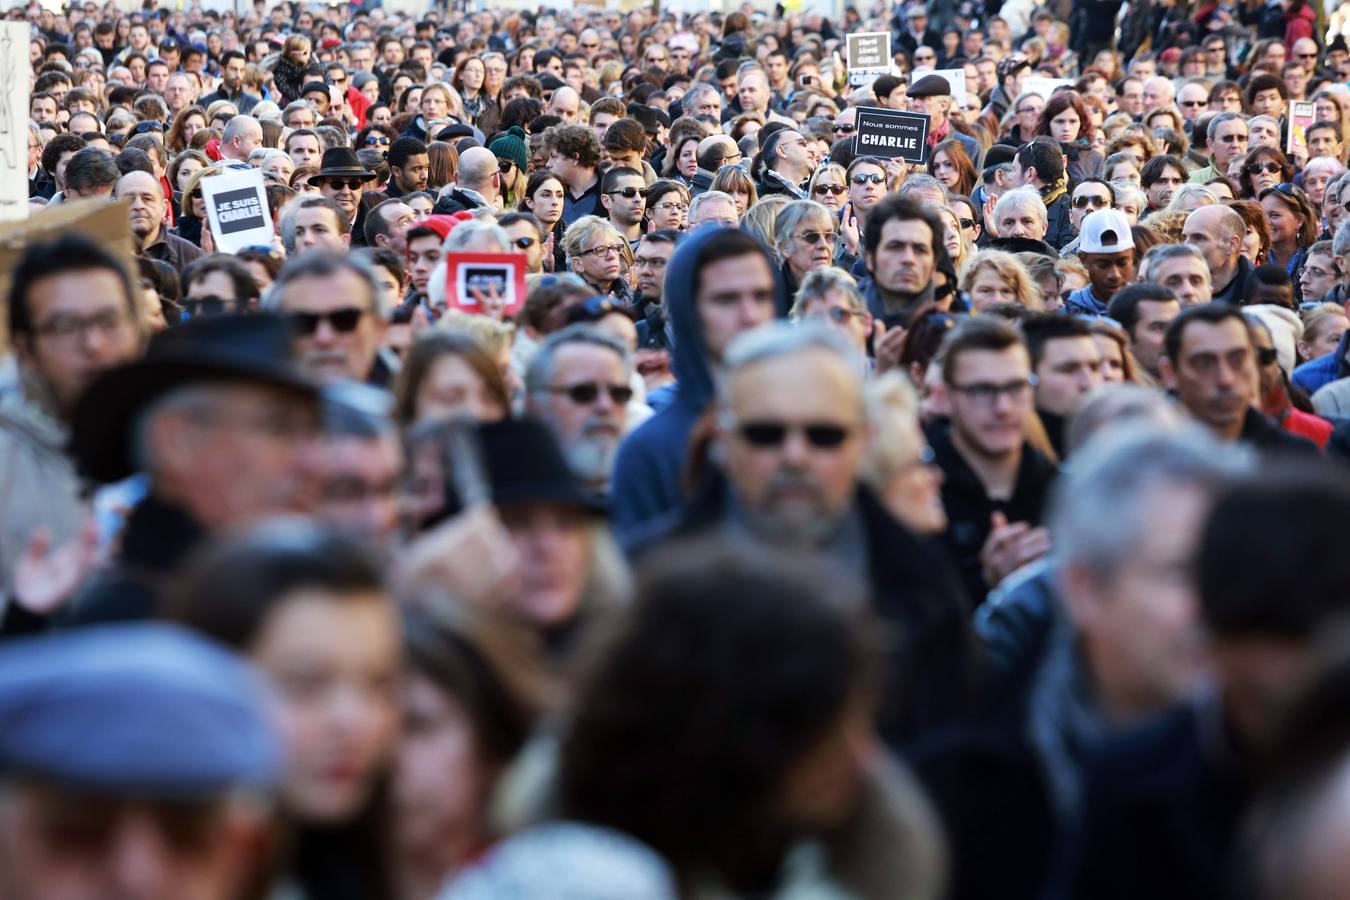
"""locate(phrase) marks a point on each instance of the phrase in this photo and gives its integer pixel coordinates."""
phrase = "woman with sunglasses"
(1294, 227)
(1262, 168)
(596, 251)
(544, 194)
(829, 186)
(375, 137)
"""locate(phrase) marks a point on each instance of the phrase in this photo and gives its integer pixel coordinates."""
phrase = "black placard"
(239, 210)
(891, 134)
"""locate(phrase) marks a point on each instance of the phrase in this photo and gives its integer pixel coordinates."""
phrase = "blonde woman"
(829, 186)
(959, 246)
(899, 465)
(993, 276)
(595, 252)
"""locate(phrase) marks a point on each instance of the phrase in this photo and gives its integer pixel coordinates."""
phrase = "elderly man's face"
(585, 404)
(793, 438)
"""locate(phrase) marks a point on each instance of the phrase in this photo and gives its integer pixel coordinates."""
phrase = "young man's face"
(1108, 272)
(734, 295)
(1069, 368)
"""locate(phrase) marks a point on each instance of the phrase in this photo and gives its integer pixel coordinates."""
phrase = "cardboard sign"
(1037, 84)
(14, 69)
(236, 208)
(1301, 116)
(869, 56)
(892, 134)
(955, 78)
(498, 278)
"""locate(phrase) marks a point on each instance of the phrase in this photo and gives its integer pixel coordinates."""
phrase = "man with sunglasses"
(789, 444)
(218, 284)
(1226, 138)
(342, 178)
(578, 384)
(333, 304)
(787, 162)
(623, 194)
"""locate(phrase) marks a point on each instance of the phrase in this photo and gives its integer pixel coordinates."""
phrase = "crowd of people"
(816, 525)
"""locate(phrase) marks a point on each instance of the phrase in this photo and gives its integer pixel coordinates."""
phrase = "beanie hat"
(510, 144)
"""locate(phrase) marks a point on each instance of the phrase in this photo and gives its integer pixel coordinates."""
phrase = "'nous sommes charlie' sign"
(889, 133)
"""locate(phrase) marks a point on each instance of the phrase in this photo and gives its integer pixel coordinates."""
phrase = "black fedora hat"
(249, 348)
(342, 162)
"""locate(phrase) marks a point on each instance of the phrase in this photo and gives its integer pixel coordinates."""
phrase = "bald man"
(1158, 93)
(477, 186)
(565, 104)
(1217, 232)
(242, 135)
(714, 151)
(147, 221)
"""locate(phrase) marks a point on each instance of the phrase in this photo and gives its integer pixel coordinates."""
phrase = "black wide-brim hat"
(342, 162)
(254, 348)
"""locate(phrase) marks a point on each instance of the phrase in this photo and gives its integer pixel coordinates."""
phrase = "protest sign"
(869, 56)
(1301, 117)
(236, 208)
(891, 134)
(1036, 84)
(14, 69)
(955, 78)
(497, 279)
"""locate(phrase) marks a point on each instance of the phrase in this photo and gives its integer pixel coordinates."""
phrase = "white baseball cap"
(1105, 231)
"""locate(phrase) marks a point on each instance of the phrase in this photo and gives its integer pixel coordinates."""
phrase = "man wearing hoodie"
(719, 283)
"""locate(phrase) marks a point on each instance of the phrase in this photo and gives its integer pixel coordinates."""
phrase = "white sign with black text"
(236, 208)
(14, 69)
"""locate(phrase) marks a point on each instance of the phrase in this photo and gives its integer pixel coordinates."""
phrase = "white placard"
(14, 69)
(868, 56)
(236, 208)
(956, 78)
(1036, 84)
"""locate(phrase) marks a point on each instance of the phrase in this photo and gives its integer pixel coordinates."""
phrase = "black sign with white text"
(891, 134)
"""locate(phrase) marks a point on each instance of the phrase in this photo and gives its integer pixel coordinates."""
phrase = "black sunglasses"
(864, 179)
(1086, 200)
(353, 184)
(525, 243)
(629, 193)
(587, 392)
(822, 189)
(504, 166)
(344, 321)
(773, 434)
(844, 129)
(377, 140)
(1267, 356)
(1270, 168)
(815, 237)
(208, 306)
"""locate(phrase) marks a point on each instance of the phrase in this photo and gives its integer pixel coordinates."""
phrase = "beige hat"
(1286, 330)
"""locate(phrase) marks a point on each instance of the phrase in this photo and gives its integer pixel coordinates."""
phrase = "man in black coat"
(789, 441)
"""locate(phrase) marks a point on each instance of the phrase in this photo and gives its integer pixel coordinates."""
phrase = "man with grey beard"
(579, 385)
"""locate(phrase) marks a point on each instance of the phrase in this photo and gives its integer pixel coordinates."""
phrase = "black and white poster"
(868, 56)
(892, 134)
(236, 207)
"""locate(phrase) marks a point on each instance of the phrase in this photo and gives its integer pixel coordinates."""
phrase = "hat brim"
(561, 494)
(345, 173)
(106, 413)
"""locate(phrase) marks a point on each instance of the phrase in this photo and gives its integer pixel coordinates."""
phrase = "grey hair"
(544, 362)
(698, 90)
(1213, 127)
(704, 198)
(1192, 190)
(820, 282)
(792, 215)
(465, 232)
(261, 156)
(1340, 243)
(1116, 471)
(1129, 190)
(1020, 198)
(920, 181)
(779, 339)
(319, 264)
(1163, 252)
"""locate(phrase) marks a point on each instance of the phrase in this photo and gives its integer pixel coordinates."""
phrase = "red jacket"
(1314, 428)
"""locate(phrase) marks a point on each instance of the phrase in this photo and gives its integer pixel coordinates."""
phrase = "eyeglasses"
(1270, 168)
(377, 140)
(525, 243)
(840, 315)
(844, 129)
(343, 321)
(821, 190)
(504, 166)
(65, 328)
(352, 184)
(767, 434)
(1316, 272)
(1266, 356)
(210, 305)
(987, 394)
(594, 45)
(603, 250)
(864, 179)
(1195, 103)
(650, 262)
(966, 224)
(629, 193)
(1312, 55)
(585, 393)
(671, 207)
(815, 237)
(1083, 201)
